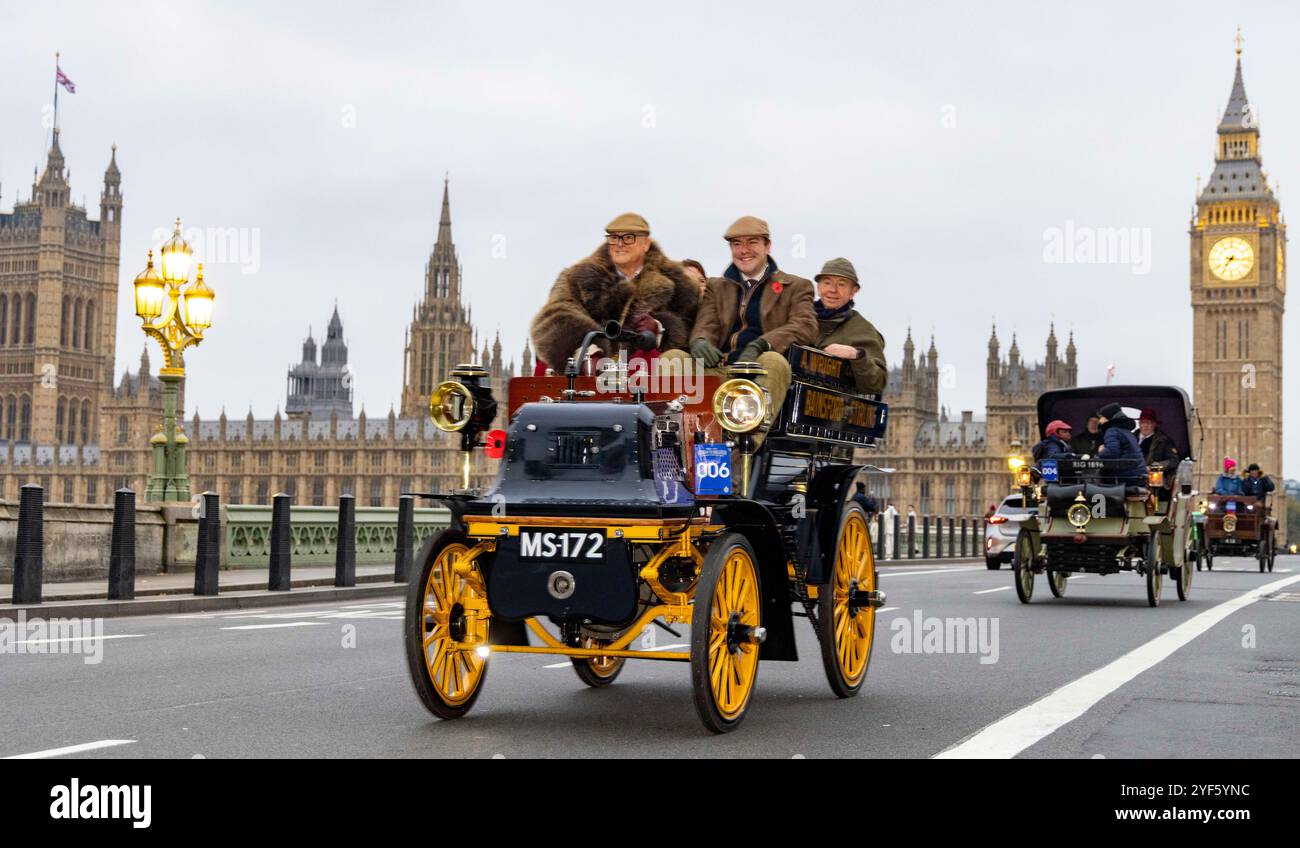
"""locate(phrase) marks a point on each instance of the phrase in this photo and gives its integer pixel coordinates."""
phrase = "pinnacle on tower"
(112, 176)
(444, 222)
(1236, 117)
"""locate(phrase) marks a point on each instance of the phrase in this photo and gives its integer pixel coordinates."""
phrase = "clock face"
(1231, 258)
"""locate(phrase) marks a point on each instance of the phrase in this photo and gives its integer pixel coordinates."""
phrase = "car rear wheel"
(597, 672)
(1022, 562)
(725, 633)
(1057, 581)
(1184, 582)
(993, 563)
(1154, 568)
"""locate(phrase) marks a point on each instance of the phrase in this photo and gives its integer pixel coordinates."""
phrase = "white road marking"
(72, 749)
(270, 626)
(936, 571)
(1248, 571)
(566, 664)
(998, 589)
(887, 609)
(80, 639)
(668, 647)
(1028, 725)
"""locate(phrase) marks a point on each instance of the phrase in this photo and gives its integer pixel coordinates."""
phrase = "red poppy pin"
(776, 287)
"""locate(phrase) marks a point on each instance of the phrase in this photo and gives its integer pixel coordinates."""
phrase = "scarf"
(824, 314)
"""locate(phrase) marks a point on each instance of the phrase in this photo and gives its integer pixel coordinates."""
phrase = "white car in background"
(1001, 531)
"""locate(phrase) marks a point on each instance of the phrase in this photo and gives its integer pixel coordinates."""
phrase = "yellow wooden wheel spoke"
(453, 671)
(852, 629)
(732, 667)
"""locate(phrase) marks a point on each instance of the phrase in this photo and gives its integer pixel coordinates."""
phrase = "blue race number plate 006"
(712, 470)
(552, 545)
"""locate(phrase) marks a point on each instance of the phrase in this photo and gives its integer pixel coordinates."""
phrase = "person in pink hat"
(1229, 482)
(1055, 443)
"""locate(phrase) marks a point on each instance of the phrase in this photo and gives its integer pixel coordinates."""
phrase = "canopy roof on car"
(1171, 405)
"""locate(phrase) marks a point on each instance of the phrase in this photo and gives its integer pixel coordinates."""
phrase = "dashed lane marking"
(998, 589)
(271, 626)
(68, 639)
(1013, 733)
(935, 571)
(72, 749)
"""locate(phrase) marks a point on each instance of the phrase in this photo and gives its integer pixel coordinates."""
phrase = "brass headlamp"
(1079, 513)
(742, 407)
(465, 405)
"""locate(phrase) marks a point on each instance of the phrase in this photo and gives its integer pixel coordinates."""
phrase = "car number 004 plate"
(567, 545)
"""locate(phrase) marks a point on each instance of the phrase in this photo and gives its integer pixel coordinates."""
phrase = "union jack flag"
(62, 79)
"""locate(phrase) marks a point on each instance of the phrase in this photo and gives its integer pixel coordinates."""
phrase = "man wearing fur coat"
(628, 279)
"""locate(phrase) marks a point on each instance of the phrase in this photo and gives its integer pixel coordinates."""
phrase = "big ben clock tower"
(1238, 285)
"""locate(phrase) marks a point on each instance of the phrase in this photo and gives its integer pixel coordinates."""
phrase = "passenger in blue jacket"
(1055, 443)
(1229, 482)
(1118, 442)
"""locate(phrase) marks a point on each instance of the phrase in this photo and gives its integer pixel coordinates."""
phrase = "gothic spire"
(1237, 117)
(444, 223)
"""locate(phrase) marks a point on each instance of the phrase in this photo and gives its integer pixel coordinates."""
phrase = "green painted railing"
(313, 531)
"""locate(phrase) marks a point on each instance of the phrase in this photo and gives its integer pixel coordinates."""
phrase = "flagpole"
(56, 99)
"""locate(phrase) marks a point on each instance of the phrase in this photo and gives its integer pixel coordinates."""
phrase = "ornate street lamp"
(176, 317)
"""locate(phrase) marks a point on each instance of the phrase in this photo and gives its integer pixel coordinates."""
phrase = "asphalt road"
(1097, 674)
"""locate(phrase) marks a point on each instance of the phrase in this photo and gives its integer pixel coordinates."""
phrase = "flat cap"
(838, 267)
(628, 222)
(747, 226)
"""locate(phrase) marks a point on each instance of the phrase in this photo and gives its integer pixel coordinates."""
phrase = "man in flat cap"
(843, 332)
(627, 279)
(754, 311)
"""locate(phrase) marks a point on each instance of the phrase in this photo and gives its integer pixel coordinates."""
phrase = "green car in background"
(1094, 517)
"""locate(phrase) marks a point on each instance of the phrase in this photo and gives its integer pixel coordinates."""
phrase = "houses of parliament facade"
(68, 425)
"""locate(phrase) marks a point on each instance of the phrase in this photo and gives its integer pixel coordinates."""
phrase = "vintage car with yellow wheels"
(1094, 516)
(622, 507)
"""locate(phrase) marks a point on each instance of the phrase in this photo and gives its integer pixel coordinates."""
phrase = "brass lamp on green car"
(175, 317)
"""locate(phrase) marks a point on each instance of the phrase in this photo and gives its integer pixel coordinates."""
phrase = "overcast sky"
(936, 145)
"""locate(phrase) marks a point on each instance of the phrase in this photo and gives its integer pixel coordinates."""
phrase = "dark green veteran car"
(1097, 515)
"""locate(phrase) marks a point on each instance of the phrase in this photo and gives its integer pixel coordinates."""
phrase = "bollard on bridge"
(345, 549)
(405, 538)
(207, 557)
(278, 577)
(911, 536)
(29, 546)
(121, 547)
(898, 536)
